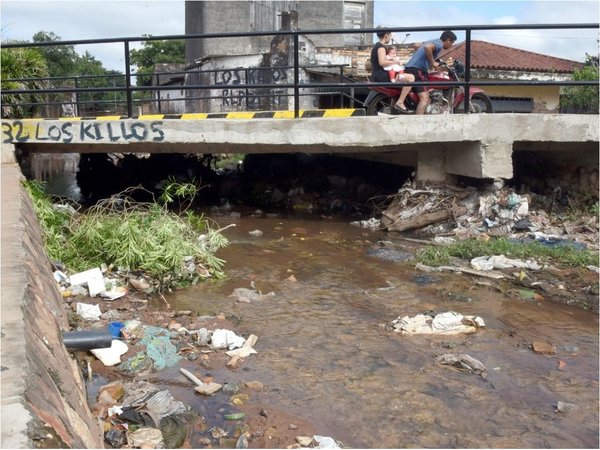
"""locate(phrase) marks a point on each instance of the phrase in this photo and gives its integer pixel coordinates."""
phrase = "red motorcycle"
(445, 99)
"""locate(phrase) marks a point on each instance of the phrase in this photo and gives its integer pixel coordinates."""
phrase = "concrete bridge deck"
(473, 145)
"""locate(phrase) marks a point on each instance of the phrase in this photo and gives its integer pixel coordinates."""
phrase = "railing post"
(467, 68)
(128, 80)
(296, 78)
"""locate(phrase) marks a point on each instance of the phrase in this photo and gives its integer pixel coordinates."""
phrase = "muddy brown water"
(324, 357)
(329, 366)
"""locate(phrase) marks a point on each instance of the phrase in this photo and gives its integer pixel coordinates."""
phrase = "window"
(512, 104)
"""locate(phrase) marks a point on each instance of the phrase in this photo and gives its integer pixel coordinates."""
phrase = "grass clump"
(562, 255)
(173, 250)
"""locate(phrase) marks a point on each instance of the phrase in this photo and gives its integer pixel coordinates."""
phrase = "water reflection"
(58, 171)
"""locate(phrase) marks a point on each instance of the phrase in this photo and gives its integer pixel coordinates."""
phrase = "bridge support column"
(431, 164)
(477, 159)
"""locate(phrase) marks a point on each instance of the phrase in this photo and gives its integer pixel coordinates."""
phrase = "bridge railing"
(80, 91)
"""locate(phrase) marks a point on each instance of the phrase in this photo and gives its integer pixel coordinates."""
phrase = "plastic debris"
(502, 262)
(444, 323)
(245, 295)
(158, 347)
(145, 438)
(246, 349)
(111, 356)
(255, 233)
(91, 313)
(87, 339)
(201, 388)
(93, 278)
(462, 361)
(325, 442)
(372, 223)
(226, 338)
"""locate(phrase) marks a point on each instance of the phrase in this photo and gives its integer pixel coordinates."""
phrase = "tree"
(61, 59)
(582, 99)
(156, 52)
(17, 66)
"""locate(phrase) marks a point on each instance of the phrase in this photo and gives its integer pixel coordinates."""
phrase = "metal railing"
(127, 91)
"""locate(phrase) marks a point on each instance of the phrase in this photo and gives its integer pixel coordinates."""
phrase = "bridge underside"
(478, 146)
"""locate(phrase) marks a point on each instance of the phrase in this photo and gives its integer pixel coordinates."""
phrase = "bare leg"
(423, 102)
(406, 89)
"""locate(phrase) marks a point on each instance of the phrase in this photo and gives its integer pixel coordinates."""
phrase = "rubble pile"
(467, 213)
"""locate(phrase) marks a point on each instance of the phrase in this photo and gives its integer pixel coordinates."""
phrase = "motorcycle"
(444, 99)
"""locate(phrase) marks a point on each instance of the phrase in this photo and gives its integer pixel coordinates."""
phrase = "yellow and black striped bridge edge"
(304, 114)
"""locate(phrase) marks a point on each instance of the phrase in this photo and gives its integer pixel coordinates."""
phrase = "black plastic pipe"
(87, 340)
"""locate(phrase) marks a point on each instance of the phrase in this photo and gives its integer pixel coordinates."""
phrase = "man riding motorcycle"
(419, 65)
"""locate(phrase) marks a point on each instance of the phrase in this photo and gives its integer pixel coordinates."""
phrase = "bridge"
(437, 146)
(473, 145)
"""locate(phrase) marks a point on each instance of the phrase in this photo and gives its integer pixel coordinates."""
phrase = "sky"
(89, 19)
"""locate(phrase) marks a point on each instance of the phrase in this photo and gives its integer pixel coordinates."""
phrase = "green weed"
(131, 236)
(562, 255)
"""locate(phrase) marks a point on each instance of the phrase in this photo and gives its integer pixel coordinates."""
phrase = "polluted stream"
(328, 364)
(324, 357)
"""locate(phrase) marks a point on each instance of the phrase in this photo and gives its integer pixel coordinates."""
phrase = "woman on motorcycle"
(420, 63)
(379, 74)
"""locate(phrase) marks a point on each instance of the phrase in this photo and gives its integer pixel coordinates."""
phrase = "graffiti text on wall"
(82, 132)
(250, 98)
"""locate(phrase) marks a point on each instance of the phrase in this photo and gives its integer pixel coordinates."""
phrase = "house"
(494, 62)
(170, 101)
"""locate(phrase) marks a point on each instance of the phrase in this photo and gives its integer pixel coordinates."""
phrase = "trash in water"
(325, 442)
(111, 356)
(226, 338)
(444, 323)
(145, 438)
(564, 407)
(502, 262)
(372, 223)
(246, 349)
(462, 361)
(158, 347)
(93, 278)
(89, 312)
(201, 388)
(256, 233)
(245, 295)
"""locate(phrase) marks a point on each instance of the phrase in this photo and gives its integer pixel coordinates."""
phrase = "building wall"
(545, 98)
(248, 16)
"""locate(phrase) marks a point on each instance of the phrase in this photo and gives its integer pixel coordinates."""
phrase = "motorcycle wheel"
(379, 102)
(481, 104)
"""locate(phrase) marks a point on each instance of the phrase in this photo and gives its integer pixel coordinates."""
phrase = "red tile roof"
(485, 55)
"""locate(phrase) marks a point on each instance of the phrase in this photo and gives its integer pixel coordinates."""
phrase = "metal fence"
(65, 94)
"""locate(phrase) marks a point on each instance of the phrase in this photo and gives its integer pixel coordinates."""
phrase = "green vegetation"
(172, 250)
(583, 99)
(563, 255)
(156, 52)
(69, 68)
(23, 64)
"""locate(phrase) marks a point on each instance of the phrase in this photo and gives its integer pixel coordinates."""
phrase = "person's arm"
(381, 57)
(429, 49)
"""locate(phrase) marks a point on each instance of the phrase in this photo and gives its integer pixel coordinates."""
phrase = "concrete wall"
(43, 396)
(249, 16)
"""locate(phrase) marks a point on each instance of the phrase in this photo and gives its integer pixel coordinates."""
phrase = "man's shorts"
(420, 75)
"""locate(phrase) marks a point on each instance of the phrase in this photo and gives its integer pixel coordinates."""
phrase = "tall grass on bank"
(131, 236)
(562, 255)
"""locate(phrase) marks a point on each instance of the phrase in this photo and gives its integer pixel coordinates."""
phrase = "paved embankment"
(43, 395)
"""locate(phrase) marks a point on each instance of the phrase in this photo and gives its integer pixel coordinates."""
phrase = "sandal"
(396, 110)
